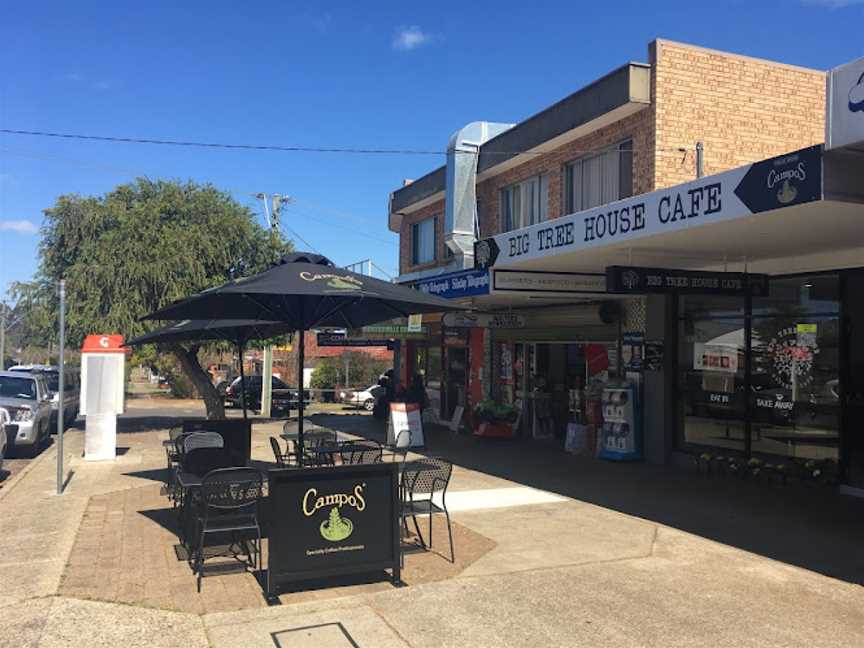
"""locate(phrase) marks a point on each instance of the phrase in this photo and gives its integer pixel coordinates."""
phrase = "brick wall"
(638, 127)
(742, 109)
(435, 209)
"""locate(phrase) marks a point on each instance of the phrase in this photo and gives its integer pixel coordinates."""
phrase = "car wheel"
(369, 404)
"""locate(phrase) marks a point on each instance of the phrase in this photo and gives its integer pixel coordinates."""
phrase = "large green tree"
(140, 247)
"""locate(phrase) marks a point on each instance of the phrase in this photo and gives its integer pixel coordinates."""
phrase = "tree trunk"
(188, 359)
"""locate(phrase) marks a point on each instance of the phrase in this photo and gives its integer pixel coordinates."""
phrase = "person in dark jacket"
(417, 392)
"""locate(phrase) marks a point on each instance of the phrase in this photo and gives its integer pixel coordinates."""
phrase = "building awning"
(807, 206)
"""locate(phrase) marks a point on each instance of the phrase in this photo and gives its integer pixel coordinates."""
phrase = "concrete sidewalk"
(558, 571)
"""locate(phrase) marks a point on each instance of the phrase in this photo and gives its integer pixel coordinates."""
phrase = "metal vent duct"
(460, 218)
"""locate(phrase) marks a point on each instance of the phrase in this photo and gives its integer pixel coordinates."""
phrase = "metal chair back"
(361, 452)
(197, 440)
(427, 476)
(231, 490)
(277, 451)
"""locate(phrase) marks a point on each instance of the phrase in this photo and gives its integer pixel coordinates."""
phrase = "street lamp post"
(61, 387)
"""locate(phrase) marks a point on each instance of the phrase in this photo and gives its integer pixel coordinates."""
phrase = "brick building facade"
(742, 110)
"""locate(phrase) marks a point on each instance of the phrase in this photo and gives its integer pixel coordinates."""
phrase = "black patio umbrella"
(238, 331)
(303, 291)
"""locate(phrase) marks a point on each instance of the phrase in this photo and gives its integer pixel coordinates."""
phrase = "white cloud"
(19, 226)
(832, 4)
(409, 38)
(322, 22)
(75, 77)
(102, 85)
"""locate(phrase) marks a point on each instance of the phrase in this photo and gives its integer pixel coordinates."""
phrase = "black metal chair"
(361, 452)
(195, 440)
(421, 480)
(228, 503)
(171, 451)
(286, 458)
(172, 457)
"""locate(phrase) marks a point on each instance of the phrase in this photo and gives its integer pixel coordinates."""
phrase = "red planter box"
(499, 430)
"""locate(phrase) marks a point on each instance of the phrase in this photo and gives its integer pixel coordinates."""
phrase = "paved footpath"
(562, 572)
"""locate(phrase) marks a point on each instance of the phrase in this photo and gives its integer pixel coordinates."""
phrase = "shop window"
(524, 203)
(599, 178)
(796, 377)
(794, 404)
(424, 241)
(711, 378)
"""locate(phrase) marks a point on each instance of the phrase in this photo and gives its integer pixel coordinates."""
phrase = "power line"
(293, 149)
(323, 218)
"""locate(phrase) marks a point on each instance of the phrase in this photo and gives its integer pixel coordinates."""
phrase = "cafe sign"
(638, 280)
(484, 320)
(331, 521)
(844, 125)
(782, 181)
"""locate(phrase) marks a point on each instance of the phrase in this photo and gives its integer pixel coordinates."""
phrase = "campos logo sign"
(338, 282)
(856, 96)
(335, 527)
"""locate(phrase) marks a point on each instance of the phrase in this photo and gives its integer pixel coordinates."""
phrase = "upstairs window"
(424, 241)
(524, 203)
(599, 178)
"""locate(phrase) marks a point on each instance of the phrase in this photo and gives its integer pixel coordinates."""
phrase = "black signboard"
(634, 280)
(236, 435)
(782, 181)
(331, 521)
(340, 340)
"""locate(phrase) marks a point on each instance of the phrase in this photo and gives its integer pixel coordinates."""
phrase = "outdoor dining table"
(328, 449)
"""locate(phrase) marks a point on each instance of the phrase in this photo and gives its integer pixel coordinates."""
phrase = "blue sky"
(366, 75)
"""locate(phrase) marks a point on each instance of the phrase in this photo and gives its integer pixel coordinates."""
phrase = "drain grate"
(325, 635)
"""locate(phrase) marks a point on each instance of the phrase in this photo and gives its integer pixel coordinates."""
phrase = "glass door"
(853, 379)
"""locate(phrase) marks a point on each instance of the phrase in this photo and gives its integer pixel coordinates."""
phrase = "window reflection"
(794, 395)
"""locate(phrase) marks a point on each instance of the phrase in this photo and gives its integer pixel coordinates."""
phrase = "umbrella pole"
(242, 380)
(301, 353)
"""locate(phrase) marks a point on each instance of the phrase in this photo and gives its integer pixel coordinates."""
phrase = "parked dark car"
(285, 398)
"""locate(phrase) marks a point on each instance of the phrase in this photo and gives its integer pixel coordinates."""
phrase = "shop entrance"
(853, 378)
(457, 380)
(550, 382)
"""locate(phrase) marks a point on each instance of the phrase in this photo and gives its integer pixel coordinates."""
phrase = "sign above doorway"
(636, 280)
(547, 282)
(484, 320)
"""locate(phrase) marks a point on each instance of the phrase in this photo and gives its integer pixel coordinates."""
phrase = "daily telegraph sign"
(331, 521)
(468, 283)
(770, 184)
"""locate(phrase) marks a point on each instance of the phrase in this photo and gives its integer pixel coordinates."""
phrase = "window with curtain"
(423, 241)
(599, 178)
(524, 203)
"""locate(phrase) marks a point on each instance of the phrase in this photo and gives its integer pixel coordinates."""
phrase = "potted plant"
(493, 419)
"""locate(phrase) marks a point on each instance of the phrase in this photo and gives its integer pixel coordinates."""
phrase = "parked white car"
(365, 398)
(71, 390)
(28, 401)
(4, 422)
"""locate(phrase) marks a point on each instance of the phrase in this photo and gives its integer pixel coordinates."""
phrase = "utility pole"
(2, 336)
(267, 372)
(61, 364)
